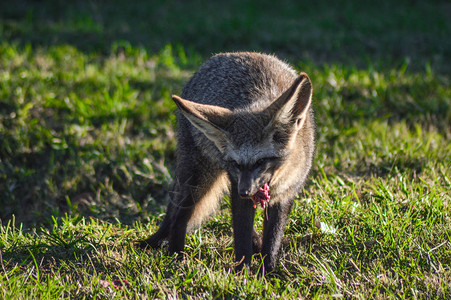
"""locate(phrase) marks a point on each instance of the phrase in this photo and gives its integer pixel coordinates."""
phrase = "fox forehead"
(250, 139)
(245, 128)
(248, 154)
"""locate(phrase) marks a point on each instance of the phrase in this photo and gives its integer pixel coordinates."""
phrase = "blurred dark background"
(355, 32)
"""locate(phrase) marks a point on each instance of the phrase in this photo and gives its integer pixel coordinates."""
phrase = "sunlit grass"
(87, 151)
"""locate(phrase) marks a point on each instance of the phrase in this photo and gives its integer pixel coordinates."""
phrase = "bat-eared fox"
(245, 127)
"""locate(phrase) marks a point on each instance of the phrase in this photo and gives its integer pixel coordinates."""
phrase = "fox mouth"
(262, 197)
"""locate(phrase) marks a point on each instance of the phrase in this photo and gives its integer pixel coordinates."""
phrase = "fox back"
(246, 127)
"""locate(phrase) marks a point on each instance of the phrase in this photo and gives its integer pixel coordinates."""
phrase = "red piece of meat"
(262, 197)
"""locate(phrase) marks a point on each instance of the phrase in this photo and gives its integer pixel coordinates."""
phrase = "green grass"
(87, 148)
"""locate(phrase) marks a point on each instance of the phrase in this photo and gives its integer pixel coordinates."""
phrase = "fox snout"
(248, 184)
(245, 185)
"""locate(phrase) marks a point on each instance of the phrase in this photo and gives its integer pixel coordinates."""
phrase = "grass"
(87, 148)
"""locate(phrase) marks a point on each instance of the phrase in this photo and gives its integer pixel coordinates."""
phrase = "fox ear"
(209, 119)
(292, 106)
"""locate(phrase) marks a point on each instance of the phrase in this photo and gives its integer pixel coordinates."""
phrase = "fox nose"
(244, 193)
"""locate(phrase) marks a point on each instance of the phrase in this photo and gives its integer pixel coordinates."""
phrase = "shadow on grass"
(52, 182)
(54, 256)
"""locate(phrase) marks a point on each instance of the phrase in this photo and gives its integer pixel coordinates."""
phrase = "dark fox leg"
(243, 228)
(175, 222)
(181, 218)
(273, 228)
(196, 194)
(165, 230)
(179, 209)
(157, 239)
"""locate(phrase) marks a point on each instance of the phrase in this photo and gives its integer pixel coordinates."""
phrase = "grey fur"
(248, 121)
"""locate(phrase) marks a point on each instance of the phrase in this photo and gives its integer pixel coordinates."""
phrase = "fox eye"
(233, 164)
(264, 160)
(260, 162)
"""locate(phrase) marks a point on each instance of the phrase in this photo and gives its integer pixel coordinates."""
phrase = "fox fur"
(245, 119)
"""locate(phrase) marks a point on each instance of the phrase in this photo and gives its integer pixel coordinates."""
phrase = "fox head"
(254, 144)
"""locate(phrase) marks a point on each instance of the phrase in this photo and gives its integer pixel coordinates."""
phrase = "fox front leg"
(243, 214)
(174, 225)
(157, 239)
(180, 210)
(273, 229)
(187, 196)
(180, 223)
